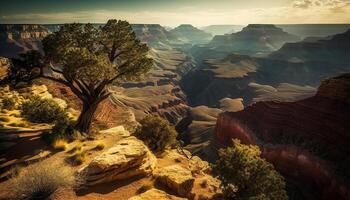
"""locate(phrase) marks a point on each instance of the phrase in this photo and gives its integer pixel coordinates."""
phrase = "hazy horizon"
(172, 13)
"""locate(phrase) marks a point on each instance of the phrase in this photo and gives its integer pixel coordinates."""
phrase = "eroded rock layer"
(306, 140)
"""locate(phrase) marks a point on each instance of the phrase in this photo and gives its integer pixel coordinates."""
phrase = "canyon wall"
(306, 140)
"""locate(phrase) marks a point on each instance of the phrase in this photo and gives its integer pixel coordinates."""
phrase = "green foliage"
(92, 58)
(23, 67)
(246, 176)
(157, 133)
(8, 103)
(91, 55)
(39, 110)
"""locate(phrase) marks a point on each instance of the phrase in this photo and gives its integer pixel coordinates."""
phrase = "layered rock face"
(128, 158)
(15, 39)
(191, 34)
(255, 79)
(154, 34)
(334, 49)
(197, 129)
(314, 30)
(176, 177)
(306, 140)
(254, 39)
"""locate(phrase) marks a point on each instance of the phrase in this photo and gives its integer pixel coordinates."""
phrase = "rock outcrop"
(334, 49)
(128, 158)
(253, 39)
(153, 194)
(238, 76)
(19, 38)
(191, 34)
(177, 178)
(306, 140)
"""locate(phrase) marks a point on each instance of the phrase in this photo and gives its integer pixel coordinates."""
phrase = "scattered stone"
(155, 194)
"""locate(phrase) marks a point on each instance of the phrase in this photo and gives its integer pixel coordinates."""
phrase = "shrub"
(63, 127)
(40, 110)
(156, 133)
(40, 180)
(245, 175)
(9, 103)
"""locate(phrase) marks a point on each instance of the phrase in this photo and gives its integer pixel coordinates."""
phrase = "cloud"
(318, 11)
(302, 4)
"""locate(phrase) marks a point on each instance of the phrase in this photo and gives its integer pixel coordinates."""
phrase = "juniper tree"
(89, 59)
(245, 175)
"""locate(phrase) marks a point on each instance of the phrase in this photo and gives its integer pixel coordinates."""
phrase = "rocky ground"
(118, 171)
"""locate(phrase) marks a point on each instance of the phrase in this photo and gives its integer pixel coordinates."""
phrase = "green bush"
(39, 110)
(245, 175)
(157, 133)
(40, 180)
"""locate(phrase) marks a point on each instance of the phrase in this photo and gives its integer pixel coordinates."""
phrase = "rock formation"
(128, 158)
(334, 49)
(253, 39)
(177, 178)
(191, 34)
(306, 140)
(234, 76)
(15, 39)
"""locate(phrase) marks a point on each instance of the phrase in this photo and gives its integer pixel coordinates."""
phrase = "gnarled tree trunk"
(84, 121)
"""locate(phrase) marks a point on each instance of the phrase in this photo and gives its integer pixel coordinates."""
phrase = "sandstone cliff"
(15, 39)
(306, 140)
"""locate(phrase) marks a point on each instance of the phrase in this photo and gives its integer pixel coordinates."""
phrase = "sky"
(175, 12)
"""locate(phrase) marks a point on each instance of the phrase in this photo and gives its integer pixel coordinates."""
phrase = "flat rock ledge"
(128, 158)
(155, 194)
(179, 179)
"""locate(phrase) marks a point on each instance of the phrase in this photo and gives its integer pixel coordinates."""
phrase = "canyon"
(267, 85)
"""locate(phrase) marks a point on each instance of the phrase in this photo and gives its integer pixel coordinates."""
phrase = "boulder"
(177, 178)
(154, 194)
(128, 158)
(118, 130)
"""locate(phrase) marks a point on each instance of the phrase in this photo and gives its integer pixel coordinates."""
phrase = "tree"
(253, 177)
(156, 133)
(89, 59)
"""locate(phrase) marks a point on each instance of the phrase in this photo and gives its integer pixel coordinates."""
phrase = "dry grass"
(60, 144)
(40, 180)
(4, 119)
(17, 124)
(77, 148)
(15, 114)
